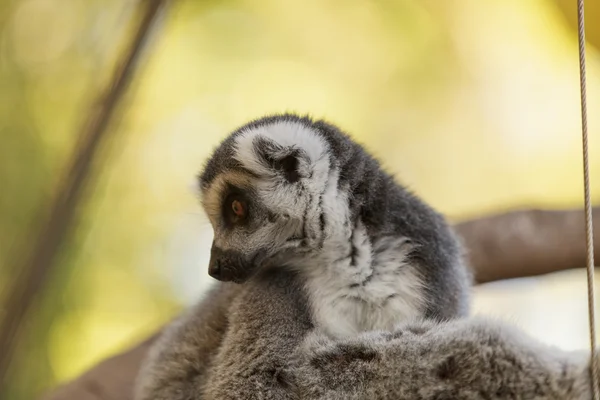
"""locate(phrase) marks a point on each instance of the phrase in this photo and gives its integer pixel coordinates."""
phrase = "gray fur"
(177, 364)
(461, 359)
(265, 349)
(325, 220)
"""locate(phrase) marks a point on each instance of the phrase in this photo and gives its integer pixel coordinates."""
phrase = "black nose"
(214, 269)
(228, 265)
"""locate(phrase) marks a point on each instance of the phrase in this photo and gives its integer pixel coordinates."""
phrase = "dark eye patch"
(235, 207)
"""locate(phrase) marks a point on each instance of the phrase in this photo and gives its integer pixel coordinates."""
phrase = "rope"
(588, 206)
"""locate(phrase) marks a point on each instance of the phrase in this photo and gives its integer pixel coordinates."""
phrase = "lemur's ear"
(289, 166)
(280, 158)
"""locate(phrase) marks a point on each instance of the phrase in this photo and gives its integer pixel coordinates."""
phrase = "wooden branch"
(35, 268)
(512, 245)
(527, 243)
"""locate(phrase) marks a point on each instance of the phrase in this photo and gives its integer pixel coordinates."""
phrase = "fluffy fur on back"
(422, 360)
(256, 342)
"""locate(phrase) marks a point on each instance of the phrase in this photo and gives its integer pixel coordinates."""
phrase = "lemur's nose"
(215, 265)
(214, 269)
(229, 265)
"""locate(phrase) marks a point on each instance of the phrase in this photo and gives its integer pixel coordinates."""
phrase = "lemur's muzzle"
(229, 265)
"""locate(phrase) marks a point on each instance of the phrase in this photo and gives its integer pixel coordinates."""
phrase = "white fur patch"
(274, 191)
(286, 134)
(379, 291)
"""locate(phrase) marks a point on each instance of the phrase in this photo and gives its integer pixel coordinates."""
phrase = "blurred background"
(472, 103)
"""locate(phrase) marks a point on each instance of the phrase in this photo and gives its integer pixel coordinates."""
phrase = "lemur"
(331, 253)
(286, 191)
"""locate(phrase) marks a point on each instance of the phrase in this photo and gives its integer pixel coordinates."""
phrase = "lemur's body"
(371, 253)
(326, 240)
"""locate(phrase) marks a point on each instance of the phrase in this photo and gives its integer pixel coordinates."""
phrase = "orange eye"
(238, 209)
(235, 210)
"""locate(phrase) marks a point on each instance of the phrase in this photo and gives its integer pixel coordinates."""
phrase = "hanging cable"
(588, 206)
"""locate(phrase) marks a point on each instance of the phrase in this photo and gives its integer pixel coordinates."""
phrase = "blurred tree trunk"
(32, 271)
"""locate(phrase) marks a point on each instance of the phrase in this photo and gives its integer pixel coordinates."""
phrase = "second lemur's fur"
(289, 192)
(255, 342)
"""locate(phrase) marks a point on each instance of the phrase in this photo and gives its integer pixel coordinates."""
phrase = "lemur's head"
(267, 191)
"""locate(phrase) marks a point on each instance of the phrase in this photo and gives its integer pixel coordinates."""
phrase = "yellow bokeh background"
(474, 104)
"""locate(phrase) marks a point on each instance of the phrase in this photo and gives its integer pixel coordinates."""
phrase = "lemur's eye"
(235, 209)
(238, 208)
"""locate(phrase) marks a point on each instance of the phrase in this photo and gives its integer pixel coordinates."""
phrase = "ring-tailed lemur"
(246, 341)
(291, 192)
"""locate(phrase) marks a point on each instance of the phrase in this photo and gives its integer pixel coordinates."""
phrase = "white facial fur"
(274, 191)
(354, 285)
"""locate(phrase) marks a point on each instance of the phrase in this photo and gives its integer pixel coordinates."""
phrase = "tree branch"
(511, 245)
(527, 243)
